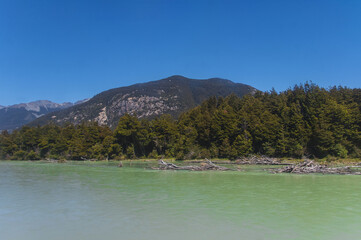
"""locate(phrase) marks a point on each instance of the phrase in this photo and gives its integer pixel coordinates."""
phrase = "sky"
(73, 49)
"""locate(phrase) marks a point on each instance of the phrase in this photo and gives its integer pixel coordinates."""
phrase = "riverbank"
(270, 165)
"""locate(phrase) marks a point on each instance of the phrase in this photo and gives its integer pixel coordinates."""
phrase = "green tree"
(243, 144)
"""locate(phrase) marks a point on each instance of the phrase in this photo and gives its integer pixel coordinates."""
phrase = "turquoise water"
(98, 201)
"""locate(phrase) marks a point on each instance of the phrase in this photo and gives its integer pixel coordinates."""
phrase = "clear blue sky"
(70, 50)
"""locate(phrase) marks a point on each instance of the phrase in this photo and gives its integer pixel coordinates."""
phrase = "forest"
(305, 121)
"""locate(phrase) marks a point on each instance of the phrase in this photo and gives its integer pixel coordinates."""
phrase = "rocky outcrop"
(144, 106)
(102, 118)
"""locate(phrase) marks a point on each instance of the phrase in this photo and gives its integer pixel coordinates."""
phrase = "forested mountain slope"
(304, 121)
(172, 95)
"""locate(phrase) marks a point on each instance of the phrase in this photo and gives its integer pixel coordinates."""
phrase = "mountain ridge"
(17, 115)
(172, 95)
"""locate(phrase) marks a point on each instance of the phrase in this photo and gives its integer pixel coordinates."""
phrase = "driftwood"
(309, 166)
(88, 159)
(253, 160)
(55, 160)
(205, 166)
(213, 161)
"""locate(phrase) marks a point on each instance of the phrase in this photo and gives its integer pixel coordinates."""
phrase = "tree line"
(306, 120)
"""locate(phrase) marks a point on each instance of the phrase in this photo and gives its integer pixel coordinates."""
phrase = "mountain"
(172, 95)
(15, 116)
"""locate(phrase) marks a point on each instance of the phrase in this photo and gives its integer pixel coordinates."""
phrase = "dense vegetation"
(304, 121)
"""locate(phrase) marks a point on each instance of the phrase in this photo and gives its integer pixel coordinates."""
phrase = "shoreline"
(274, 166)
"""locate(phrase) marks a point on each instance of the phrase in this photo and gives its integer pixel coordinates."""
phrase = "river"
(75, 201)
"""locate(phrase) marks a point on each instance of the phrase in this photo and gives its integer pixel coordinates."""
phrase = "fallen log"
(214, 161)
(205, 166)
(262, 160)
(309, 166)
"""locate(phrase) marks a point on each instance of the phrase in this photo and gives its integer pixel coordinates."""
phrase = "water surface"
(100, 201)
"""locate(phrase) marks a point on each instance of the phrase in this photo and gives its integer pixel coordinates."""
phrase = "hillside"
(172, 95)
(304, 122)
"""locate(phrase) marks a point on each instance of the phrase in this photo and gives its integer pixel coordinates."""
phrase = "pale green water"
(93, 201)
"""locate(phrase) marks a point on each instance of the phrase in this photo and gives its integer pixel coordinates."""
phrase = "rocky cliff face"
(171, 95)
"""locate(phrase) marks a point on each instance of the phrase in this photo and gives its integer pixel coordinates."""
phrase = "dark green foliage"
(305, 121)
(132, 136)
(242, 145)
